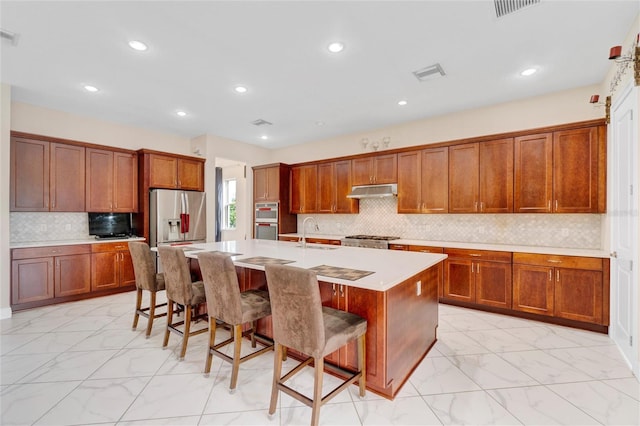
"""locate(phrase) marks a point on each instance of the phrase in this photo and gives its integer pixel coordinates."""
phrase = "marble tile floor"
(80, 363)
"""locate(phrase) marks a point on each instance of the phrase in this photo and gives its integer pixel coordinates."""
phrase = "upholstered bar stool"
(226, 303)
(146, 279)
(300, 322)
(180, 290)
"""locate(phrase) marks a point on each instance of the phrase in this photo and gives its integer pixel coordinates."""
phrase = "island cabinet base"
(401, 325)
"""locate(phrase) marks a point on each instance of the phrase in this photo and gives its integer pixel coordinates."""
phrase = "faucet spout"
(303, 241)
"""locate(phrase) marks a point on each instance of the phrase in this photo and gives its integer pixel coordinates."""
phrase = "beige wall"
(5, 266)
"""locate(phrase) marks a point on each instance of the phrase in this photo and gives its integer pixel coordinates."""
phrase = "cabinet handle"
(475, 255)
(549, 205)
(550, 276)
(481, 206)
(556, 205)
(475, 206)
(472, 267)
(333, 286)
(557, 275)
(554, 261)
(341, 291)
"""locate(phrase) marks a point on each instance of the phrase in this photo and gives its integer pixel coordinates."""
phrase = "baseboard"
(5, 313)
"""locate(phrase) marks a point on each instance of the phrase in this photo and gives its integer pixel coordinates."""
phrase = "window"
(229, 204)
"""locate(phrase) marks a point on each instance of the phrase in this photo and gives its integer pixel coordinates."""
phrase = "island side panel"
(412, 320)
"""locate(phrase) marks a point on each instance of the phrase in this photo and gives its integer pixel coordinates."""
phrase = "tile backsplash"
(379, 217)
(46, 226)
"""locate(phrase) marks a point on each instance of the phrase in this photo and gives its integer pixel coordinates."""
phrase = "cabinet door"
(105, 271)
(260, 185)
(125, 184)
(575, 171)
(533, 174)
(362, 171)
(364, 303)
(496, 176)
(163, 171)
(385, 169)
(273, 184)
(99, 180)
(578, 295)
(304, 182)
(31, 280)
(533, 289)
(493, 284)
(67, 178)
(342, 187)
(459, 281)
(463, 178)
(190, 174)
(435, 180)
(29, 175)
(326, 188)
(329, 295)
(127, 275)
(410, 182)
(72, 275)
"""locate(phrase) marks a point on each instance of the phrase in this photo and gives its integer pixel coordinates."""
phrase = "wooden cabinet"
(478, 276)
(561, 172)
(175, 172)
(377, 169)
(266, 184)
(423, 184)
(46, 176)
(40, 274)
(111, 181)
(111, 266)
(304, 186)
(566, 287)
(426, 249)
(334, 183)
(481, 177)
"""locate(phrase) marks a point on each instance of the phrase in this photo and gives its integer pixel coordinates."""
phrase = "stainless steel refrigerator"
(177, 217)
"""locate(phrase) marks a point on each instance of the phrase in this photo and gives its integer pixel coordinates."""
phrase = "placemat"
(228, 253)
(342, 273)
(261, 260)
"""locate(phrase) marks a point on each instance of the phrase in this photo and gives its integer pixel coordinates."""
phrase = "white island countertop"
(389, 267)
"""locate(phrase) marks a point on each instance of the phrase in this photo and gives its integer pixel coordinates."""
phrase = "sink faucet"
(303, 241)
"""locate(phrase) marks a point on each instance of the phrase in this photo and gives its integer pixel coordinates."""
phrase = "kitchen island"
(396, 292)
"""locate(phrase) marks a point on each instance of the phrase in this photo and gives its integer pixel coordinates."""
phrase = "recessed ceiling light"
(137, 45)
(90, 88)
(320, 123)
(181, 113)
(264, 137)
(402, 103)
(528, 72)
(240, 89)
(336, 47)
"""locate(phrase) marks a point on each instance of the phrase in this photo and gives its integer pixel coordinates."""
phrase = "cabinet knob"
(613, 254)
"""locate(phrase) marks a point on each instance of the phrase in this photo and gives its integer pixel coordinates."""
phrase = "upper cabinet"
(46, 176)
(334, 183)
(423, 181)
(561, 172)
(112, 181)
(377, 169)
(304, 187)
(481, 177)
(175, 172)
(266, 183)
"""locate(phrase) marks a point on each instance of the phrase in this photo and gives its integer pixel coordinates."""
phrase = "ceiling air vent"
(429, 73)
(9, 36)
(261, 122)
(505, 7)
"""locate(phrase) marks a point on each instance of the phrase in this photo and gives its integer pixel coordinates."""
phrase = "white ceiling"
(198, 52)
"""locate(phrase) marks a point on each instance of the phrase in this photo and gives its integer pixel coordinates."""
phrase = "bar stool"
(180, 290)
(300, 322)
(226, 303)
(146, 279)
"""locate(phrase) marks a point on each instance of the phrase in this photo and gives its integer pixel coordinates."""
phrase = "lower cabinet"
(111, 266)
(425, 249)
(39, 275)
(569, 287)
(478, 276)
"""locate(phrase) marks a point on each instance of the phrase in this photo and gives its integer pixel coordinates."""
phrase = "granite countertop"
(88, 240)
(563, 251)
(385, 268)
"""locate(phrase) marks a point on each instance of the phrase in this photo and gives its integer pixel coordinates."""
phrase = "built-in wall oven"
(266, 221)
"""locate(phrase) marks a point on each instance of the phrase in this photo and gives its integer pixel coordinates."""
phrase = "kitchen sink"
(318, 247)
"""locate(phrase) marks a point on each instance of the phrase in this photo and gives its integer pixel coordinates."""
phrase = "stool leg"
(212, 343)
(187, 327)
(169, 321)
(237, 345)
(253, 334)
(152, 312)
(277, 371)
(317, 390)
(362, 364)
(138, 306)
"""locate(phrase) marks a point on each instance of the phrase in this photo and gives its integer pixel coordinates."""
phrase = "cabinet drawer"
(104, 247)
(426, 249)
(493, 256)
(398, 247)
(33, 252)
(571, 262)
(323, 241)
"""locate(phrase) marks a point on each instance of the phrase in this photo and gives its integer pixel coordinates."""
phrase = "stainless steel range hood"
(374, 191)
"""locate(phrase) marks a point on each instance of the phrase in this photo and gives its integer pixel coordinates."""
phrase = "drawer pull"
(475, 255)
(554, 261)
(557, 275)
(550, 276)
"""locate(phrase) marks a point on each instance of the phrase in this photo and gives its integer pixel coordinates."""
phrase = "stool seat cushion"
(255, 305)
(340, 328)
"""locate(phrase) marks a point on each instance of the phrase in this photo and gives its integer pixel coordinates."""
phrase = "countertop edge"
(31, 244)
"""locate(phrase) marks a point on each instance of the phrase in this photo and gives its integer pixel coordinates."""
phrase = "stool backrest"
(143, 267)
(221, 287)
(177, 277)
(296, 308)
